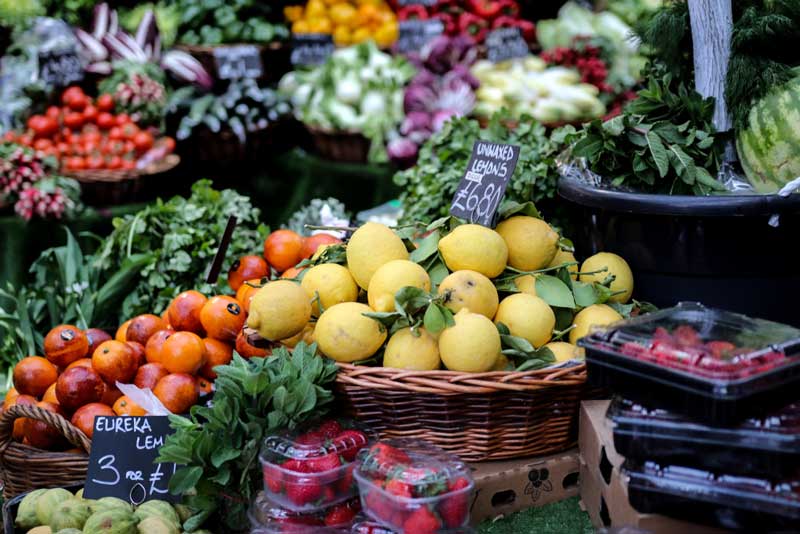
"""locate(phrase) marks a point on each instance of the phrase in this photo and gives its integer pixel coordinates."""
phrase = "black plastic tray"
(716, 401)
(737, 503)
(11, 506)
(769, 446)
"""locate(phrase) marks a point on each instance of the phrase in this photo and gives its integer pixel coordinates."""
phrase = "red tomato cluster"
(84, 133)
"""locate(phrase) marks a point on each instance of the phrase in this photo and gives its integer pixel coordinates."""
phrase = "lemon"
(471, 345)
(322, 248)
(405, 350)
(346, 335)
(332, 282)
(306, 334)
(371, 246)
(527, 317)
(476, 248)
(279, 310)
(594, 315)
(564, 351)
(501, 364)
(526, 284)
(532, 243)
(562, 257)
(471, 290)
(617, 266)
(392, 276)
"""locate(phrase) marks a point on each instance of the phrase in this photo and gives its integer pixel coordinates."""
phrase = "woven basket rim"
(118, 175)
(316, 130)
(72, 433)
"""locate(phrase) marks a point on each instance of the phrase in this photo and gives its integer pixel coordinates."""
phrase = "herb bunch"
(219, 445)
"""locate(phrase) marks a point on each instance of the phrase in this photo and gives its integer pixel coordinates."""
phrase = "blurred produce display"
(348, 21)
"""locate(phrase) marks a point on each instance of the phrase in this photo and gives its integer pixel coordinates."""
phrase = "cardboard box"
(604, 491)
(509, 486)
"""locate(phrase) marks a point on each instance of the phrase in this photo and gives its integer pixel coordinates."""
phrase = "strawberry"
(322, 464)
(302, 494)
(422, 521)
(453, 508)
(399, 488)
(720, 349)
(686, 336)
(383, 457)
(273, 478)
(329, 429)
(378, 505)
(345, 484)
(310, 438)
(348, 443)
(340, 516)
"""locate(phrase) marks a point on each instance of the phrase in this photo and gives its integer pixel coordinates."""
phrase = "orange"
(222, 318)
(110, 394)
(292, 272)
(246, 268)
(165, 318)
(11, 397)
(177, 392)
(155, 344)
(312, 243)
(246, 291)
(217, 353)
(125, 406)
(33, 375)
(144, 326)
(78, 386)
(42, 435)
(19, 425)
(204, 387)
(246, 350)
(83, 418)
(138, 351)
(64, 344)
(184, 311)
(149, 374)
(83, 362)
(122, 331)
(183, 352)
(115, 362)
(95, 337)
(50, 394)
(283, 249)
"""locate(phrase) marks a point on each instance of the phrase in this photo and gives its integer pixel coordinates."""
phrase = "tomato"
(167, 142)
(78, 102)
(129, 131)
(114, 162)
(76, 163)
(73, 120)
(90, 146)
(95, 162)
(115, 133)
(54, 112)
(143, 141)
(25, 139)
(105, 102)
(116, 147)
(71, 93)
(63, 148)
(128, 164)
(93, 136)
(10, 136)
(128, 146)
(105, 120)
(42, 125)
(122, 119)
(90, 113)
(42, 144)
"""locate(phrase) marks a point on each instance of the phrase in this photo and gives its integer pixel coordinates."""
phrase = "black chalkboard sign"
(311, 48)
(59, 68)
(484, 183)
(122, 463)
(414, 34)
(236, 62)
(505, 43)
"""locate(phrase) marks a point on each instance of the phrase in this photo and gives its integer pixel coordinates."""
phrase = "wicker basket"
(350, 147)
(25, 468)
(110, 187)
(477, 416)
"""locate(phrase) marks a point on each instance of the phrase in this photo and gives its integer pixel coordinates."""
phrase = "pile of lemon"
(328, 304)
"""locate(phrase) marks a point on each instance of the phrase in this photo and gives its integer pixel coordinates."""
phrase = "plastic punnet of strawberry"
(372, 527)
(412, 486)
(268, 516)
(311, 467)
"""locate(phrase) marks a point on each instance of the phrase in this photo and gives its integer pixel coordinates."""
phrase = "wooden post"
(712, 27)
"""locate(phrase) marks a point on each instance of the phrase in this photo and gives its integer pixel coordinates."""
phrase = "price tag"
(506, 43)
(122, 463)
(311, 48)
(480, 191)
(414, 34)
(60, 68)
(219, 257)
(236, 62)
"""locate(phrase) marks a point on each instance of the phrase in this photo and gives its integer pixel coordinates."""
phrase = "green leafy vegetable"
(214, 22)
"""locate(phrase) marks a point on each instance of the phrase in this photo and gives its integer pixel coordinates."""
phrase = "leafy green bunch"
(218, 445)
(181, 237)
(214, 22)
(663, 142)
(428, 188)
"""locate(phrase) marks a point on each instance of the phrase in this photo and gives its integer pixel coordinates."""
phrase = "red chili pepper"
(508, 8)
(487, 9)
(473, 25)
(412, 12)
(449, 21)
(528, 30)
(505, 22)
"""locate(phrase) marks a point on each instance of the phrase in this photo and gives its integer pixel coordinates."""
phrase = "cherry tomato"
(128, 164)
(54, 112)
(105, 102)
(42, 125)
(73, 120)
(129, 131)
(71, 93)
(42, 144)
(63, 148)
(167, 142)
(115, 147)
(92, 136)
(76, 163)
(114, 162)
(95, 162)
(143, 141)
(78, 102)
(122, 119)
(105, 120)
(128, 147)
(115, 133)
(90, 113)
(25, 139)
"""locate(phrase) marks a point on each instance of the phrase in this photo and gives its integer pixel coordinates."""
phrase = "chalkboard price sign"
(414, 34)
(480, 191)
(505, 43)
(235, 62)
(122, 463)
(311, 48)
(60, 68)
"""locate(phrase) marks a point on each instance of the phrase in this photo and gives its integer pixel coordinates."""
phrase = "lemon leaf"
(434, 320)
(554, 291)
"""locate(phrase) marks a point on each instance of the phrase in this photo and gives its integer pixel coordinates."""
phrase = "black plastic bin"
(718, 250)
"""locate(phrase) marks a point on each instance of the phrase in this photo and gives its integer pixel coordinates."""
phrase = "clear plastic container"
(311, 467)
(410, 486)
(713, 365)
(268, 516)
(734, 502)
(371, 527)
(767, 446)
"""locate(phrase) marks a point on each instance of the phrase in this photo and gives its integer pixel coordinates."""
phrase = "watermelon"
(769, 147)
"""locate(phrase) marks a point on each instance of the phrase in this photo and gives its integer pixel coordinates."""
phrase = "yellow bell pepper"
(386, 35)
(342, 36)
(367, 13)
(320, 25)
(315, 9)
(343, 14)
(301, 26)
(293, 13)
(360, 35)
